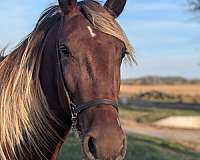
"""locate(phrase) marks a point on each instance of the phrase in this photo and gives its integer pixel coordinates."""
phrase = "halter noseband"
(74, 108)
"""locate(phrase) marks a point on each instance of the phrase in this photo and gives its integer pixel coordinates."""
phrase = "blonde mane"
(24, 112)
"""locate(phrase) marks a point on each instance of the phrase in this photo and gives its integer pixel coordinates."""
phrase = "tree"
(195, 5)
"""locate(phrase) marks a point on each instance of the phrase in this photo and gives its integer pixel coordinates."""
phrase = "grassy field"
(150, 115)
(185, 94)
(169, 89)
(139, 148)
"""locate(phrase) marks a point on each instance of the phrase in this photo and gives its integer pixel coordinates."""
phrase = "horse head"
(93, 46)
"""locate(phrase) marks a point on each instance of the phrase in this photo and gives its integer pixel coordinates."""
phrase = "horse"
(65, 74)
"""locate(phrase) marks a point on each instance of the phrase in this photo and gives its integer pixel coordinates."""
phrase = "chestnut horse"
(65, 74)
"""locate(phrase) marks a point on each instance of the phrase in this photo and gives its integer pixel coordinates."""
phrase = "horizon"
(158, 76)
(165, 34)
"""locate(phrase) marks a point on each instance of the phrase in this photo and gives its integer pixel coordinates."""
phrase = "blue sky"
(164, 34)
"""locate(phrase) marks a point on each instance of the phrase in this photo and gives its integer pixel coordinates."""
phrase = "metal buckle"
(73, 108)
(74, 119)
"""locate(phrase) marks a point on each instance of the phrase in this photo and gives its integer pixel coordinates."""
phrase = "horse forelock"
(106, 23)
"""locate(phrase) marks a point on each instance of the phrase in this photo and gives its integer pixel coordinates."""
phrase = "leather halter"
(76, 108)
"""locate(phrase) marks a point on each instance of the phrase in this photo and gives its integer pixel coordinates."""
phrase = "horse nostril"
(92, 147)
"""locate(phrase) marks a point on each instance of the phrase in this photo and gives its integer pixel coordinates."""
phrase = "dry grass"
(191, 90)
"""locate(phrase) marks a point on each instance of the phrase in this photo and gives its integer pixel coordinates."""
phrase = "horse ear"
(67, 5)
(115, 7)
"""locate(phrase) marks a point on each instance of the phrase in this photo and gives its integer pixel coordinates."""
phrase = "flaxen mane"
(24, 111)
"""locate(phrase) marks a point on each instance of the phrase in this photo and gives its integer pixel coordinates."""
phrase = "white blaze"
(91, 32)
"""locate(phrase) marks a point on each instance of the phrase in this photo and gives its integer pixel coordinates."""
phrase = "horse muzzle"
(101, 148)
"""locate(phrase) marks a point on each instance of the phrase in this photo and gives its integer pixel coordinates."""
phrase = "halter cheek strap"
(74, 108)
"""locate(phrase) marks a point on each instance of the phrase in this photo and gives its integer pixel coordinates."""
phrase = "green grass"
(150, 115)
(71, 150)
(139, 148)
(156, 96)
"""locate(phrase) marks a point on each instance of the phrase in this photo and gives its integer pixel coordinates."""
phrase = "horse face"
(91, 69)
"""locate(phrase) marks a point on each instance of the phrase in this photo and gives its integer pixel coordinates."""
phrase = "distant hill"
(157, 80)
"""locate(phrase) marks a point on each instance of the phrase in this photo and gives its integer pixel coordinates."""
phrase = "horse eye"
(64, 50)
(123, 55)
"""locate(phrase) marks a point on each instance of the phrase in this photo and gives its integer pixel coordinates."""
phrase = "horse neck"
(50, 79)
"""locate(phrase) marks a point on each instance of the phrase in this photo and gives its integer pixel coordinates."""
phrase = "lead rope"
(72, 106)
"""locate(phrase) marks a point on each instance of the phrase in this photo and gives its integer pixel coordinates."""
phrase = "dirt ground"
(182, 122)
(189, 138)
